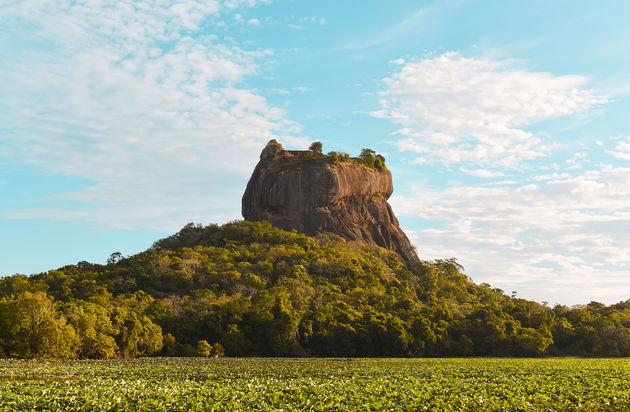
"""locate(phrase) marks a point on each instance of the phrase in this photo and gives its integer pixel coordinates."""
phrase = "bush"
(367, 157)
(334, 157)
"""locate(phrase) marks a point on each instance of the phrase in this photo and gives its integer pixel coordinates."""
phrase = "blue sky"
(504, 124)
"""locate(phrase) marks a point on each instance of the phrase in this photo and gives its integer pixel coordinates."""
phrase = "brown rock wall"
(292, 191)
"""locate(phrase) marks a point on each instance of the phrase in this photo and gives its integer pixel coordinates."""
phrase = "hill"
(248, 288)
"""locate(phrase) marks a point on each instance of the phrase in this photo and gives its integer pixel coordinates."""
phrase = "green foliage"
(379, 162)
(31, 328)
(253, 289)
(334, 158)
(114, 258)
(368, 158)
(206, 350)
(274, 142)
(316, 147)
(272, 149)
(94, 328)
(318, 384)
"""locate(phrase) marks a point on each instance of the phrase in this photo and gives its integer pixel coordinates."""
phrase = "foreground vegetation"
(249, 289)
(317, 384)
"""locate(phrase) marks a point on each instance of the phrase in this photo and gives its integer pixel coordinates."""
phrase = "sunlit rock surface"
(306, 191)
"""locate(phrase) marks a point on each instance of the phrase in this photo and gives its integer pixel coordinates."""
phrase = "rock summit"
(312, 192)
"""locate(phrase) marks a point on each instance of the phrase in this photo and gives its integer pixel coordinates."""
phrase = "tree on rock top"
(316, 147)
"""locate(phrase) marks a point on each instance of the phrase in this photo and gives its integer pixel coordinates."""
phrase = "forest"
(250, 289)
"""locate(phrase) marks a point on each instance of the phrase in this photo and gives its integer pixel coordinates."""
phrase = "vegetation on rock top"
(368, 158)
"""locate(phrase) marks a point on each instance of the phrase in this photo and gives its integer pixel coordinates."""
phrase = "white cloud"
(624, 146)
(575, 162)
(622, 150)
(134, 98)
(619, 155)
(235, 4)
(564, 239)
(460, 110)
(482, 173)
(253, 22)
(313, 20)
(552, 176)
(302, 89)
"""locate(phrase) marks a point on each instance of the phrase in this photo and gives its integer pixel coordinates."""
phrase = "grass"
(316, 384)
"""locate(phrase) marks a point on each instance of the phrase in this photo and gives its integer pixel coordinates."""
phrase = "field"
(317, 384)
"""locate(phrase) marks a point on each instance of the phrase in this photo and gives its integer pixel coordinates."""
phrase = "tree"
(530, 341)
(254, 289)
(33, 328)
(138, 335)
(94, 328)
(379, 162)
(368, 158)
(204, 349)
(114, 258)
(316, 147)
(217, 350)
(334, 156)
(207, 350)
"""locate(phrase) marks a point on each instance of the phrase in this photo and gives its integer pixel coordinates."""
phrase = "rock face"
(310, 192)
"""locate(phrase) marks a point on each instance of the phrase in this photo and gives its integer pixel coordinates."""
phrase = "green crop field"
(317, 384)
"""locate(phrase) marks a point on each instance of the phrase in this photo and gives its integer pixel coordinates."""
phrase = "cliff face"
(292, 190)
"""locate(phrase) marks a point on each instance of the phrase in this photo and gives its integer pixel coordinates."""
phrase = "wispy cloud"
(313, 20)
(564, 238)
(482, 173)
(454, 109)
(416, 22)
(135, 97)
(622, 150)
(235, 4)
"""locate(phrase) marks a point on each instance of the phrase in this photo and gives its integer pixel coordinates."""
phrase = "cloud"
(253, 22)
(454, 109)
(561, 239)
(137, 99)
(553, 176)
(482, 173)
(622, 150)
(575, 162)
(413, 25)
(302, 89)
(235, 4)
(313, 20)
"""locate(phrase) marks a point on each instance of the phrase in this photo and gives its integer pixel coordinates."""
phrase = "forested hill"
(248, 288)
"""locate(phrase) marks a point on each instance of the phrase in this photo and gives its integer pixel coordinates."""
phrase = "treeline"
(249, 289)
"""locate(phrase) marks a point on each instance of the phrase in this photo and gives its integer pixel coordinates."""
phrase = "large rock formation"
(311, 192)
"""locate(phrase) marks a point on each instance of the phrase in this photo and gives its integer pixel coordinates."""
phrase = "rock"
(307, 191)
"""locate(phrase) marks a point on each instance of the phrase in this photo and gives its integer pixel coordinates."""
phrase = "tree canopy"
(316, 147)
(249, 289)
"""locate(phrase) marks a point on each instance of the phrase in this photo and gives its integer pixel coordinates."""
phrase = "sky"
(505, 125)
